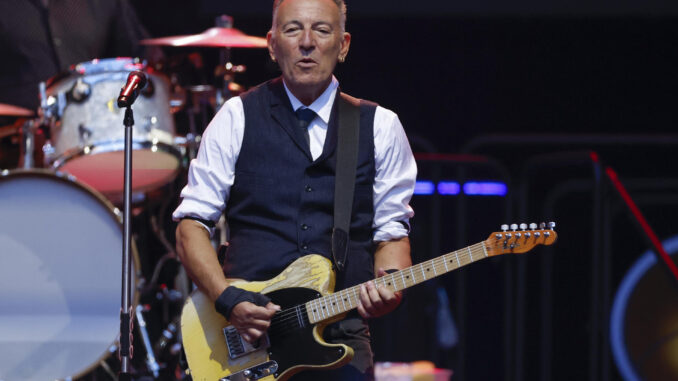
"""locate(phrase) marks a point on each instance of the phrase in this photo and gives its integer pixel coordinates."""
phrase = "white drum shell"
(88, 137)
(60, 278)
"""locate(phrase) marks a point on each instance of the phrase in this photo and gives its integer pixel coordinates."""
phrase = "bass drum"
(60, 278)
(88, 137)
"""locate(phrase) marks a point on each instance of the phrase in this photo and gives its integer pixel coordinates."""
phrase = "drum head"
(60, 279)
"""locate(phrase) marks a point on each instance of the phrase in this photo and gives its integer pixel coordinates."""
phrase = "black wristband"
(234, 295)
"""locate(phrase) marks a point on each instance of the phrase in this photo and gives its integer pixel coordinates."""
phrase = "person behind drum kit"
(254, 165)
(42, 38)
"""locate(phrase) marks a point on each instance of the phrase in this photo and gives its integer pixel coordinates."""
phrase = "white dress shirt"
(212, 172)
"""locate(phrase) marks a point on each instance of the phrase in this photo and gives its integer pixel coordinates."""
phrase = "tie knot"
(305, 116)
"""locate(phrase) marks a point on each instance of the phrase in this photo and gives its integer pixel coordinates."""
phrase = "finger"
(272, 307)
(365, 298)
(252, 335)
(381, 272)
(362, 311)
(375, 297)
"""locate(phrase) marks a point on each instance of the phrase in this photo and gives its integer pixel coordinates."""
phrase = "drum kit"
(61, 225)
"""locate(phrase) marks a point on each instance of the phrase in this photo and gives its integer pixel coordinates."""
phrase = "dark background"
(556, 81)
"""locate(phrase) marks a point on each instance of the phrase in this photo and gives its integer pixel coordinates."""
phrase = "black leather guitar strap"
(347, 159)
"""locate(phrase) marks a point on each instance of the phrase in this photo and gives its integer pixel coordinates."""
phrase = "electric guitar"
(304, 290)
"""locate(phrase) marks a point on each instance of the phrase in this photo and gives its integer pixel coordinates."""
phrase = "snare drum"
(88, 137)
(60, 276)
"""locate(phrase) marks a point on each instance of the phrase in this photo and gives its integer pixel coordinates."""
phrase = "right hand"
(252, 321)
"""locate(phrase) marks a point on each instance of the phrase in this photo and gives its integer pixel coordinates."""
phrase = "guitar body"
(205, 345)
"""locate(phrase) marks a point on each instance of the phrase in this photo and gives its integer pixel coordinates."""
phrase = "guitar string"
(287, 319)
(292, 313)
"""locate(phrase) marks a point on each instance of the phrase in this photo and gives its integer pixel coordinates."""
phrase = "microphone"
(136, 81)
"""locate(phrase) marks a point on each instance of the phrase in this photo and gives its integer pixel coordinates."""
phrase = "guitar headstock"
(520, 238)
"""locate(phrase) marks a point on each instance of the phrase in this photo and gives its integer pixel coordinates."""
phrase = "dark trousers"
(353, 332)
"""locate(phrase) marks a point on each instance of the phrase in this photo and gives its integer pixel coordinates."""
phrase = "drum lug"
(84, 133)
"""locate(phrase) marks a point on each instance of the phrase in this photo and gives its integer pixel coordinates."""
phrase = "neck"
(307, 94)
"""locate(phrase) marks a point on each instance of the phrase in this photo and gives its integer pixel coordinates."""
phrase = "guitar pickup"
(238, 347)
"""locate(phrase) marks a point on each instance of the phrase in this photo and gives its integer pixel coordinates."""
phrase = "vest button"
(308, 188)
(304, 227)
(304, 247)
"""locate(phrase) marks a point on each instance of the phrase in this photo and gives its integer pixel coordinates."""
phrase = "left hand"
(377, 301)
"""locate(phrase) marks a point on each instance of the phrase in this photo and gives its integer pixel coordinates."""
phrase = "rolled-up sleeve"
(396, 173)
(211, 173)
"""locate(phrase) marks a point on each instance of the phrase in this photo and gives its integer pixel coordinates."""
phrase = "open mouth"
(306, 62)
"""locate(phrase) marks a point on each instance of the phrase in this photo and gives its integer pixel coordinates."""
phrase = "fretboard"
(345, 300)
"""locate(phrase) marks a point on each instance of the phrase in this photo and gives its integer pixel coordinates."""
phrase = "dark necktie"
(304, 118)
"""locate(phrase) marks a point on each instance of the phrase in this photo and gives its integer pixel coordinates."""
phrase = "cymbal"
(8, 130)
(9, 110)
(211, 38)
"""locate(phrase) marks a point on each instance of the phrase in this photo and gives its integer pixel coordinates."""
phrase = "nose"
(306, 42)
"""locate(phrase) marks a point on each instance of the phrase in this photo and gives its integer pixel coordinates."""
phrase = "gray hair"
(340, 3)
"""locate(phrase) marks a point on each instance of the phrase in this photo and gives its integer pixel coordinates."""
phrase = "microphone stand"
(125, 350)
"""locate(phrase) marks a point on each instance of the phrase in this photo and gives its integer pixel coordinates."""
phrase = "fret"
(470, 253)
(334, 307)
(457, 255)
(355, 296)
(484, 249)
(309, 307)
(403, 278)
(342, 300)
(394, 285)
(414, 279)
(445, 263)
(433, 264)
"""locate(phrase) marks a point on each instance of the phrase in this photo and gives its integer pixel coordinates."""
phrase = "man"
(278, 190)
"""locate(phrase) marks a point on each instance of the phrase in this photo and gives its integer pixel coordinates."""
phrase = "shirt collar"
(322, 105)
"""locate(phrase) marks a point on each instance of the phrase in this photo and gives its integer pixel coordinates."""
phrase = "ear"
(270, 42)
(345, 44)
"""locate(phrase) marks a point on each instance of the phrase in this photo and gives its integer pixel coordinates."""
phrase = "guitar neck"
(329, 306)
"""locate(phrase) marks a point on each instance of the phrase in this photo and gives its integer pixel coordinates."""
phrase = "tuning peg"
(552, 225)
(542, 226)
(504, 227)
(514, 227)
(533, 226)
(523, 226)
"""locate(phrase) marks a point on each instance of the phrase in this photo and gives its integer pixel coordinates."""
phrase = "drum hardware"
(151, 362)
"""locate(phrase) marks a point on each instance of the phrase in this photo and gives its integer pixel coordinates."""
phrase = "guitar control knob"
(533, 226)
(523, 226)
(514, 227)
(504, 227)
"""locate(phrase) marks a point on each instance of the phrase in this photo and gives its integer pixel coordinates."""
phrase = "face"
(307, 41)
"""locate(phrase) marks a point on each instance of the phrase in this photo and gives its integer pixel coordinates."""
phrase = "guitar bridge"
(254, 373)
(238, 347)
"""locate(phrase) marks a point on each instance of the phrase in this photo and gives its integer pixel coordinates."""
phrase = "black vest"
(281, 203)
